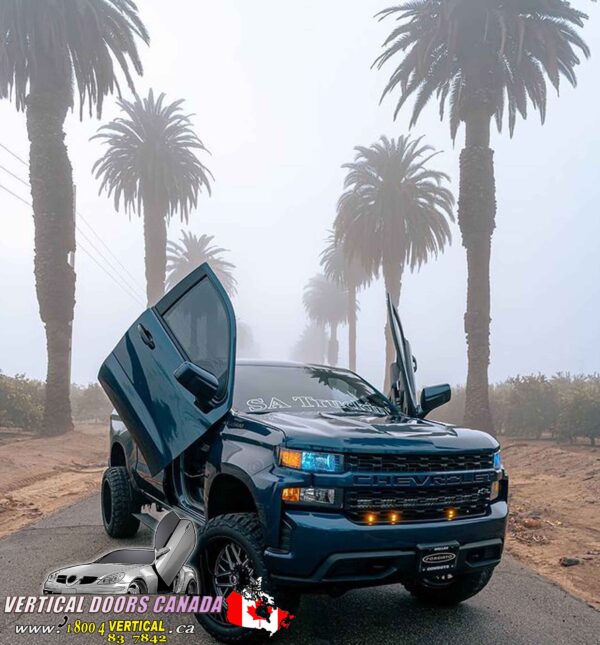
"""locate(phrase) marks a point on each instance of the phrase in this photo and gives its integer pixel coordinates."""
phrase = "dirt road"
(517, 607)
(555, 497)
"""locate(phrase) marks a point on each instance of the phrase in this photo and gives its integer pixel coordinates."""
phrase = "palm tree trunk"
(51, 179)
(476, 218)
(155, 242)
(333, 348)
(352, 327)
(392, 278)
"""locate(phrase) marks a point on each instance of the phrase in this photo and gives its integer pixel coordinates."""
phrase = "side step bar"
(147, 519)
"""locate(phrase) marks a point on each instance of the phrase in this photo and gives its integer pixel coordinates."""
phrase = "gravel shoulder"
(555, 512)
(39, 476)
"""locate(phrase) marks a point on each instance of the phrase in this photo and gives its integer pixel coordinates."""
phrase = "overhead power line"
(12, 174)
(15, 195)
(15, 155)
(135, 282)
(122, 284)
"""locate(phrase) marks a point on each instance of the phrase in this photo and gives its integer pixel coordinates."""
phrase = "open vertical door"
(403, 373)
(192, 325)
(174, 543)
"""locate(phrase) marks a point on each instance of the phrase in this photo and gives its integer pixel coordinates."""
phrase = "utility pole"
(71, 261)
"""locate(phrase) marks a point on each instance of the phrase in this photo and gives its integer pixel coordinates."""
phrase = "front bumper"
(95, 589)
(328, 549)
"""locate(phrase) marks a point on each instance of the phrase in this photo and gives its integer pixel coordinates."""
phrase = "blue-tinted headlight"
(497, 461)
(321, 462)
(311, 462)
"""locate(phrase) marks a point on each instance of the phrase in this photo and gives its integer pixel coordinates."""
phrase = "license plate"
(438, 558)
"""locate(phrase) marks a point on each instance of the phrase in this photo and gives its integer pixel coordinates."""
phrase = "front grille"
(404, 463)
(379, 505)
(88, 580)
(61, 579)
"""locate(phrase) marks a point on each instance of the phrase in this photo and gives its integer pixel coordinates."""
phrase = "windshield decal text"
(309, 402)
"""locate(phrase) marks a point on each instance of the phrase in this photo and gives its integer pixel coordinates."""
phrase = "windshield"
(272, 388)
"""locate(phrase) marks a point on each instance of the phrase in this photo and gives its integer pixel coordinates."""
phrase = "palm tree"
(349, 274)
(325, 303)
(311, 347)
(47, 50)
(394, 213)
(151, 166)
(482, 57)
(191, 252)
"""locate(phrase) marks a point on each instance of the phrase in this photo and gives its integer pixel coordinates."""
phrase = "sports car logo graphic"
(256, 610)
(136, 570)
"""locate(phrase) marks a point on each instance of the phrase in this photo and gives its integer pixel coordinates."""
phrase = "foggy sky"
(281, 94)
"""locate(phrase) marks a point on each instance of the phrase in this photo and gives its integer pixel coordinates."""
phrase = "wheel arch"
(118, 455)
(230, 491)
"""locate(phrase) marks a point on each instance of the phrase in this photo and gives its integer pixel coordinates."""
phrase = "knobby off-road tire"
(119, 503)
(245, 532)
(461, 588)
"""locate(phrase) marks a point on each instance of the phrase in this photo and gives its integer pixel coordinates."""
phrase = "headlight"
(111, 578)
(497, 461)
(52, 576)
(311, 496)
(311, 462)
(495, 490)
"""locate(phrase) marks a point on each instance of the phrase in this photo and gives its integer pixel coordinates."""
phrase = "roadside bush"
(579, 409)
(89, 403)
(21, 402)
(563, 406)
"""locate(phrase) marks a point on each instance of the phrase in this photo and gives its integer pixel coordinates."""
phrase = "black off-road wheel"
(230, 557)
(447, 590)
(119, 503)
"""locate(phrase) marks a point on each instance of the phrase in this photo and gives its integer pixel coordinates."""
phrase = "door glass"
(198, 320)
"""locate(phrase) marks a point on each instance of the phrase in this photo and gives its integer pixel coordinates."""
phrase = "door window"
(198, 320)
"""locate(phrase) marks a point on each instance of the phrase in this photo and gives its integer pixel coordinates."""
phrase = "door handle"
(146, 336)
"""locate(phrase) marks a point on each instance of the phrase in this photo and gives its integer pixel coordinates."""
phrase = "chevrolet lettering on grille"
(425, 481)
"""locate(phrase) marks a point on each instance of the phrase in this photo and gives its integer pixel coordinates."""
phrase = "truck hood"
(322, 430)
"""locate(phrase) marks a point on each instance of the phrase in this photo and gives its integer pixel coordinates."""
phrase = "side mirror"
(201, 383)
(160, 552)
(434, 396)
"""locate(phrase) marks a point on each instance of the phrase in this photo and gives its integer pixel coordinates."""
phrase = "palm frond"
(62, 45)
(483, 54)
(151, 159)
(192, 251)
(395, 209)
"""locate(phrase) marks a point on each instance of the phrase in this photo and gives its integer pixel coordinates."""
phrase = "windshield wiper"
(354, 413)
(257, 411)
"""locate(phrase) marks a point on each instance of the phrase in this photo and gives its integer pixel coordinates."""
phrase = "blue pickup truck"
(304, 476)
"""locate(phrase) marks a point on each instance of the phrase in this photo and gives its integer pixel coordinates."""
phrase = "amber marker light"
(450, 513)
(290, 458)
(370, 518)
(394, 518)
(290, 494)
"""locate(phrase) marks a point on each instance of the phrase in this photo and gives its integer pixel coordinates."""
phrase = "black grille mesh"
(399, 463)
(415, 504)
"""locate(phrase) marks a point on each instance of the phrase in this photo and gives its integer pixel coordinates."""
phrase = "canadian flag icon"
(256, 613)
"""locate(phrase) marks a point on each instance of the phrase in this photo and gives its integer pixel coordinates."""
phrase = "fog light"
(311, 496)
(290, 494)
(450, 513)
(370, 518)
